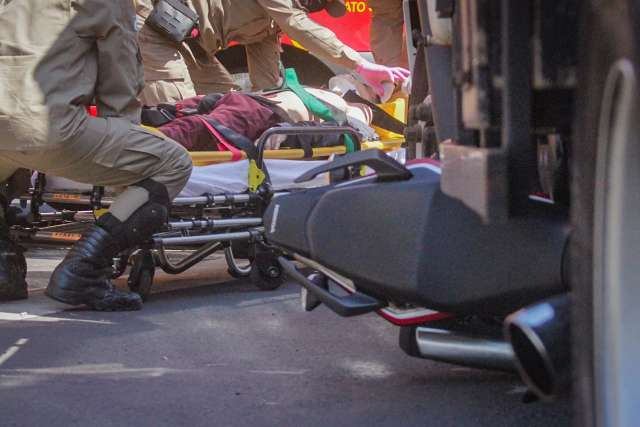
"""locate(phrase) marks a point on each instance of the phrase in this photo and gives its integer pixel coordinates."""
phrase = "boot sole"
(78, 299)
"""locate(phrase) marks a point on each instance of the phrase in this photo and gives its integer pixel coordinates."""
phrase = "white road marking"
(39, 308)
(366, 369)
(95, 369)
(11, 351)
(26, 317)
(269, 372)
(259, 301)
(518, 390)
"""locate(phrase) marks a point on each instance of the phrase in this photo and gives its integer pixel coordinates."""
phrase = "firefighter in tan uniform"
(257, 24)
(57, 57)
(387, 37)
(166, 76)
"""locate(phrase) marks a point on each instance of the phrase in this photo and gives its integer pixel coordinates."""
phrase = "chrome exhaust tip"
(540, 338)
(461, 348)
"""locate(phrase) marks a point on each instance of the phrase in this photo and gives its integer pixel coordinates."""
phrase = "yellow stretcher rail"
(203, 158)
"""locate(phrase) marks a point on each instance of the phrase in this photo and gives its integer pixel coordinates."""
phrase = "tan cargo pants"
(197, 78)
(110, 152)
(387, 33)
(171, 76)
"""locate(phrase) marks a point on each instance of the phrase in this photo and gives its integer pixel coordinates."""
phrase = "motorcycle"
(435, 268)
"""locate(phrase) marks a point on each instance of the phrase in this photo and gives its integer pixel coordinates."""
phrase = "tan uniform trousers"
(387, 33)
(210, 77)
(84, 51)
(110, 152)
(189, 77)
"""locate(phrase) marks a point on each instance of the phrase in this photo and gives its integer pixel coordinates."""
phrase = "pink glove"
(376, 75)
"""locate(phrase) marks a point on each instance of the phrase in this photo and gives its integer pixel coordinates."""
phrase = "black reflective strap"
(238, 140)
(380, 117)
(156, 117)
(305, 144)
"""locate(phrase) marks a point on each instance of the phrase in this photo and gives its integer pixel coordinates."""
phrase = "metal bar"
(203, 158)
(183, 265)
(212, 200)
(300, 130)
(207, 238)
(72, 199)
(439, 65)
(343, 282)
(239, 271)
(516, 102)
(83, 199)
(213, 224)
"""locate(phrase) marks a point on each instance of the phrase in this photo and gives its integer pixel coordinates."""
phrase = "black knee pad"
(147, 220)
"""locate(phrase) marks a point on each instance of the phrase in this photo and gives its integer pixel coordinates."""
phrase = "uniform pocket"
(23, 116)
(129, 147)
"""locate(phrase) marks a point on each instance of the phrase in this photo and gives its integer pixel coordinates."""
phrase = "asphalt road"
(211, 351)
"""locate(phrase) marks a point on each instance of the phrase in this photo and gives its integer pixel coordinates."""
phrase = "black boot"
(13, 266)
(13, 269)
(84, 276)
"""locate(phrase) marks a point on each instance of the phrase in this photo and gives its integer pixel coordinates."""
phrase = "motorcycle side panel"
(406, 241)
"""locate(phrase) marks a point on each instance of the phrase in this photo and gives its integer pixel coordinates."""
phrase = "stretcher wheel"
(267, 281)
(120, 265)
(142, 273)
(266, 273)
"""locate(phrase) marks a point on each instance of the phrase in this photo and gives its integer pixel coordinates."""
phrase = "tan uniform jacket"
(45, 85)
(256, 24)
(162, 60)
(57, 57)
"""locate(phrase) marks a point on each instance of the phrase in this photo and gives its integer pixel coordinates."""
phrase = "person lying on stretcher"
(215, 121)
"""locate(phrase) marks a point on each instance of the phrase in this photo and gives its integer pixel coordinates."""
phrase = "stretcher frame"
(204, 224)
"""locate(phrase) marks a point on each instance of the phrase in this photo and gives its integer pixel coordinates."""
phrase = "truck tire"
(605, 191)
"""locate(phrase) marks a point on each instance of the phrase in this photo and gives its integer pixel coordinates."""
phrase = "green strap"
(312, 103)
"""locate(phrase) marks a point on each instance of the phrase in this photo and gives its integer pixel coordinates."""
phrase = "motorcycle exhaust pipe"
(540, 337)
(463, 349)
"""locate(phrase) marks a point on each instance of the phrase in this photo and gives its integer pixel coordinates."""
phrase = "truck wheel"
(605, 209)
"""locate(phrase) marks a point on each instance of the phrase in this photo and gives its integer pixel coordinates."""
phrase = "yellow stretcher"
(204, 158)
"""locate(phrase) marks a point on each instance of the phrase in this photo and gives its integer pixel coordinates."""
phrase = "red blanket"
(237, 111)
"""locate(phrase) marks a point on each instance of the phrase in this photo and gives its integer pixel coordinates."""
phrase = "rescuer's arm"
(313, 36)
(112, 25)
(324, 43)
